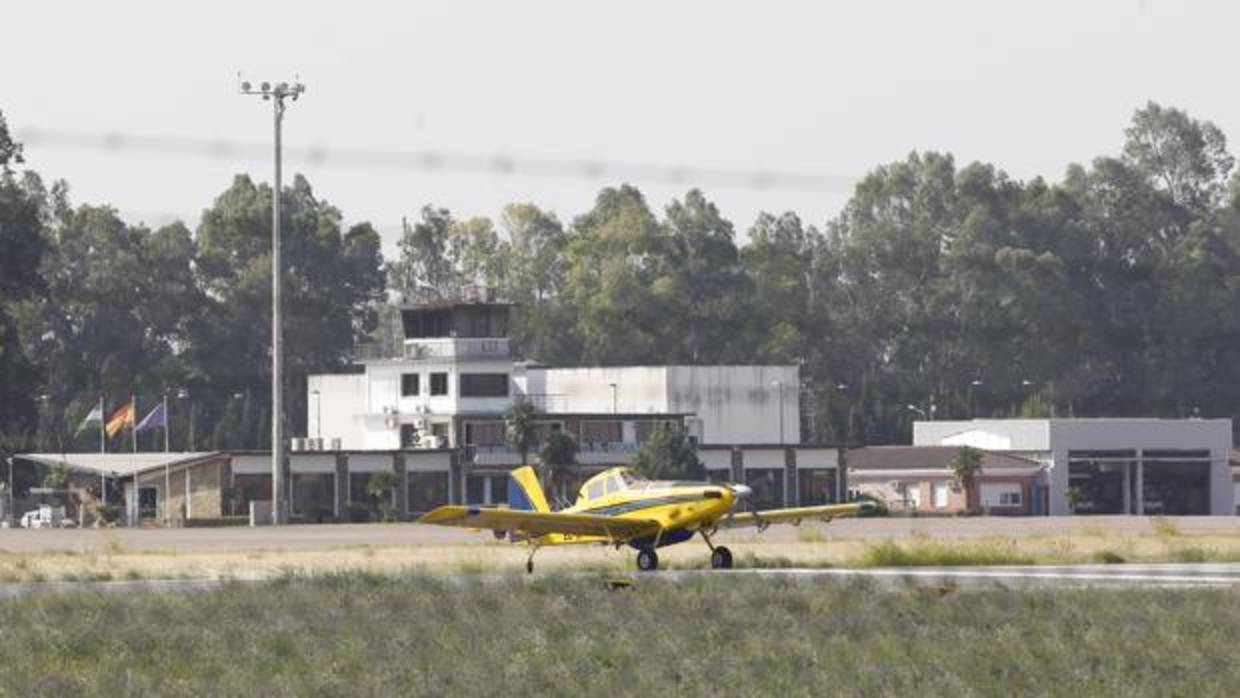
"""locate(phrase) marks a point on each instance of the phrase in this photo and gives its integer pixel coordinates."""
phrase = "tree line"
(939, 289)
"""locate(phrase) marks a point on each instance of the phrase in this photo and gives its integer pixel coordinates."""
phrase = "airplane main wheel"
(647, 560)
(721, 558)
(529, 566)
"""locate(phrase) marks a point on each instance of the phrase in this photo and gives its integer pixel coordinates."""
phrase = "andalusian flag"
(96, 415)
(122, 417)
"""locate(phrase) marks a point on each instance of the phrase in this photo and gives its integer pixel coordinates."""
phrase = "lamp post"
(12, 503)
(276, 94)
(973, 385)
(183, 394)
(318, 413)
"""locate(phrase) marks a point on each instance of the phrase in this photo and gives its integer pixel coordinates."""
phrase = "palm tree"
(966, 466)
(519, 428)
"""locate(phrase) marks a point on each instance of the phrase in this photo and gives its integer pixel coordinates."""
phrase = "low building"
(1111, 466)
(921, 480)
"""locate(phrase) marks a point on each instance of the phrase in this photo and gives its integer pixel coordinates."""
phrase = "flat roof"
(117, 464)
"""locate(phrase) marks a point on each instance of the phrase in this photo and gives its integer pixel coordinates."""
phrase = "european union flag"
(157, 417)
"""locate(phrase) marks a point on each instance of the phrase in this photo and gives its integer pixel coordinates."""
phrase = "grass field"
(372, 635)
(399, 549)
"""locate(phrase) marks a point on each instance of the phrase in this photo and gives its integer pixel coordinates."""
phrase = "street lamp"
(318, 413)
(973, 385)
(276, 94)
(918, 410)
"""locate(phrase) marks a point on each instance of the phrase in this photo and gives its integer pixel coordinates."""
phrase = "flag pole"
(102, 419)
(133, 415)
(167, 426)
(103, 479)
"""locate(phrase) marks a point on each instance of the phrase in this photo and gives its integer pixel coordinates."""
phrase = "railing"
(434, 348)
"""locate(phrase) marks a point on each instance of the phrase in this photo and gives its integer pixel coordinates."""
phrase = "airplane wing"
(762, 519)
(535, 523)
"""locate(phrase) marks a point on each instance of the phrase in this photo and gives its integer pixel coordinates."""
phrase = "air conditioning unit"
(335, 443)
(298, 444)
(315, 444)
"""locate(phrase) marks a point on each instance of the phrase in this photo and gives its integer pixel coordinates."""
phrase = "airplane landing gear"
(647, 560)
(529, 562)
(720, 557)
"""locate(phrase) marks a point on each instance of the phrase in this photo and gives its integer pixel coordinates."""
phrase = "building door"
(148, 503)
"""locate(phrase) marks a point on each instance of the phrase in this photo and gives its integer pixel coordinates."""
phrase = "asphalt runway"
(1169, 576)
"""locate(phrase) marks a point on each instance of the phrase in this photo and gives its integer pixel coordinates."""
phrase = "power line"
(435, 161)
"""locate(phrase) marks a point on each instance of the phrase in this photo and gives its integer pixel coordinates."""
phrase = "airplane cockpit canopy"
(609, 482)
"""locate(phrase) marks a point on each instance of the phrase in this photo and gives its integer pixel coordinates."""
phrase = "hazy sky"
(799, 87)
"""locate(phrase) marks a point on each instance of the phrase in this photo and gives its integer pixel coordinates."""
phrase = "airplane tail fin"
(524, 492)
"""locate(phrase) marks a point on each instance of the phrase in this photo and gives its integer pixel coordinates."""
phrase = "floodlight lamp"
(245, 86)
(266, 87)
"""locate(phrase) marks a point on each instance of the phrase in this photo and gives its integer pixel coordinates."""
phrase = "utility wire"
(433, 161)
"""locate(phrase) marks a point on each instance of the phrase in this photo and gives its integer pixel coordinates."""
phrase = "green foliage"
(520, 429)
(966, 466)
(381, 486)
(1072, 496)
(929, 553)
(669, 454)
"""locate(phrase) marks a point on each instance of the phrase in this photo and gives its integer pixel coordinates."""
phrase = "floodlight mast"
(276, 94)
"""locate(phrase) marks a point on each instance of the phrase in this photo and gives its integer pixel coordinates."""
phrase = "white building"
(454, 376)
(1133, 466)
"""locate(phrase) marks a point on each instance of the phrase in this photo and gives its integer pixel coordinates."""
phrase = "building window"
(484, 385)
(427, 490)
(409, 384)
(1009, 499)
(439, 384)
(816, 486)
(408, 436)
(940, 495)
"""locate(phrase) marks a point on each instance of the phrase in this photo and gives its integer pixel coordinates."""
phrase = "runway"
(1161, 576)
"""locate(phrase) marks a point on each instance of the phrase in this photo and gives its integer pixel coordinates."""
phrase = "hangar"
(1112, 466)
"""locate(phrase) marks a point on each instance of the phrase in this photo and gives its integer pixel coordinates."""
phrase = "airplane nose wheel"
(721, 558)
(647, 560)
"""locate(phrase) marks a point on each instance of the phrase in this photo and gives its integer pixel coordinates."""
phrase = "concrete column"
(402, 485)
(1057, 483)
(340, 506)
(792, 484)
(456, 480)
(841, 481)
(1140, 486)
(1127, 488)
(738, 465)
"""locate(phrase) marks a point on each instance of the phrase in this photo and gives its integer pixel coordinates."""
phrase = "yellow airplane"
(616, 508)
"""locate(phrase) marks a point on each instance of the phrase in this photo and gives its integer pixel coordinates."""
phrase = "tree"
(520, 430)
(424, 270)
(966, 466)
(559, 453)
(333, 284)
(669, 454)
(380, 487)
(1184, 157)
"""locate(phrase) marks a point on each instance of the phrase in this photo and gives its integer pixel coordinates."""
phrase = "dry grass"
(372, 636)
(808, 546)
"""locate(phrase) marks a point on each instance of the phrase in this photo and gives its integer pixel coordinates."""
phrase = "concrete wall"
(638, 388)
(339, 408)
(739, 404)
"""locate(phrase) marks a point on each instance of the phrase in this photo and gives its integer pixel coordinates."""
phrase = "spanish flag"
(122, 417)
